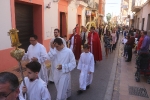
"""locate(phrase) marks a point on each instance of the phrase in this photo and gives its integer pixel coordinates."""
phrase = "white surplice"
(62, 78)
(51, 74)
(36, 90)
(72, 43)
(40, 53)
(86, 65)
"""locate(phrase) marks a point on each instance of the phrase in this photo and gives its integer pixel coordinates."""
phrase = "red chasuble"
(96, 46)
(76, 46)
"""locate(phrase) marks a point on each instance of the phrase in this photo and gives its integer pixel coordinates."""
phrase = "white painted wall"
(72, 16)
(83, 17)
(50, 18)
(145, 15)
(5, 24)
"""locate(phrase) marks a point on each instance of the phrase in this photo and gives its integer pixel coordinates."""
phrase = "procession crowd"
(135, 39)
(82, 50)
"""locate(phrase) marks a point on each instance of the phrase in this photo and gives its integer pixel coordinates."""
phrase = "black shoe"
(51, 82)
(79, 92)
(87, 87)
(128, 61)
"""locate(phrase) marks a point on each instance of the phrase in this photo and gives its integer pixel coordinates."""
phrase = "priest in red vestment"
(95, 45)
(75, 44)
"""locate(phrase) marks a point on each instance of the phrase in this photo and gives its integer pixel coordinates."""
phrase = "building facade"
(141, 11)
(126, 14)
(38, 17)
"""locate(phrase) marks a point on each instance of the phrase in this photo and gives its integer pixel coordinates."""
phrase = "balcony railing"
(86, 1)
(91, 3)
(136, 5)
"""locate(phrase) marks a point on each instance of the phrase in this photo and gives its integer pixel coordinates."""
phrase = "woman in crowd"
(107, 42)
(83, 34)
(113, 34)
(130, 45)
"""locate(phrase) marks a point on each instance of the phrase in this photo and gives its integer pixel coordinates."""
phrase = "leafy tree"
(108, 17)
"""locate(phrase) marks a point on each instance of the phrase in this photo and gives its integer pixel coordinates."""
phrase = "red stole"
(96, 46)
(76, 46)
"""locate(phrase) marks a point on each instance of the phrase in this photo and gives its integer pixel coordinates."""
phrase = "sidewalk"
(125, 87)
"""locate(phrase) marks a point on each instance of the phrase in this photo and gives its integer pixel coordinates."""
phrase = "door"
(138, 23)
(24, 23)
(79, 22)
(143, 19)
(148, 22)
(63, 24)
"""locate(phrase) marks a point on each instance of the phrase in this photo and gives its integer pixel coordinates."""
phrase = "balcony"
(81, 2)
(136, 5)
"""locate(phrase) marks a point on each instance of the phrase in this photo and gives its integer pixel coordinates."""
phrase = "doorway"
(148, 22)
(24, 23)
(143, 19)
(63, 24)
(79, 22)
(138, 23)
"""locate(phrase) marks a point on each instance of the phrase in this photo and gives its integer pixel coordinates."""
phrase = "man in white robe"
(36, 88)
(86, 66)
(57, 35)
(64, 62)
(37, 52)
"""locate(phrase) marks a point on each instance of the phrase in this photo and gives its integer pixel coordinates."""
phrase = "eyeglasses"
(3, 96)
(32, 40)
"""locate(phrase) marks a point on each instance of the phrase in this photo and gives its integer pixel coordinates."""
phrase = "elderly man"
(9, 86)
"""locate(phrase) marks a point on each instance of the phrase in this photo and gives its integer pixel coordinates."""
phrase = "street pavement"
(100, 82)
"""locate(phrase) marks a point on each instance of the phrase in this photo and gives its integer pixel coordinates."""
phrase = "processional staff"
(17, 53)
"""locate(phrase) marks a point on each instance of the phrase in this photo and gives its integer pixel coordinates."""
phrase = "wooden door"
(24, 23)
(63, 24)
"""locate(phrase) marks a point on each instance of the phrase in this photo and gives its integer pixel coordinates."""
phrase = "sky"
(113, 7)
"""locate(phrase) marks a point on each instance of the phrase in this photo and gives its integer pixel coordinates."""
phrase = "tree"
(108, 17)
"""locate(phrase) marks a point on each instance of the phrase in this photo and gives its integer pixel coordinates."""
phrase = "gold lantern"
(14, 37)
(17, 53)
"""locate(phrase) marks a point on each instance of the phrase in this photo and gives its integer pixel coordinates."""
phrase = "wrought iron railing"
(137, 3)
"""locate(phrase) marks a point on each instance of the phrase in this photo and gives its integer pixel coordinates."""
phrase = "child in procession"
(35, 88)
(86, 67)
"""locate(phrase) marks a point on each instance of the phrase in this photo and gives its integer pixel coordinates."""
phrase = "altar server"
(64, 61)
(35, 88)
(37, 52)
(86, 67)
(57, 35)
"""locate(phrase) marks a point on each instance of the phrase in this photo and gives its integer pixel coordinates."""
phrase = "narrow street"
(100, 80)
(36, 31)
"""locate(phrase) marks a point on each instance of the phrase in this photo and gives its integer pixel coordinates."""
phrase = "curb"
(110, 86)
